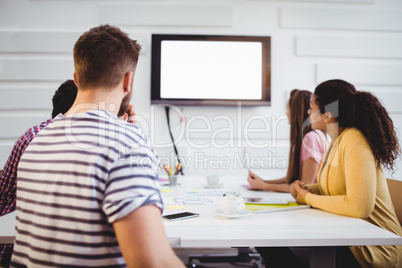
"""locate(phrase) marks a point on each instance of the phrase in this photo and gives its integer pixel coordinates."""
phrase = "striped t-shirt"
(78, 176)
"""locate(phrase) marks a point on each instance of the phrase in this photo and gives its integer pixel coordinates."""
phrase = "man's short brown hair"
(103, 55)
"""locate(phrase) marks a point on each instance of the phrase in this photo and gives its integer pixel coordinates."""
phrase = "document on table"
(193, 201)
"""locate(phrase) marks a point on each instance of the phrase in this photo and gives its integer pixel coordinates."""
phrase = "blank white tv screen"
(211, 70)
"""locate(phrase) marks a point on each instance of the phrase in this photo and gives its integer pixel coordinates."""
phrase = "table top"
(7, 223)
(306, 227)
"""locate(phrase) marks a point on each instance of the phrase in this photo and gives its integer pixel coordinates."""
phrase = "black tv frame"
(156, 70)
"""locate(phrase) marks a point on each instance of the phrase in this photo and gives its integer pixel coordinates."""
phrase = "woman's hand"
(255, 181)
(298, 190)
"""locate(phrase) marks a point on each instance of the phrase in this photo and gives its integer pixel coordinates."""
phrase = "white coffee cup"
(213, 180)
(232, 203)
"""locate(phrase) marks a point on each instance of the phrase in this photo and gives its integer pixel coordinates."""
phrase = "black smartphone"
(180, 216)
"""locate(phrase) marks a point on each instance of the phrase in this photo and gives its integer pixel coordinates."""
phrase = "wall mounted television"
(210, 70)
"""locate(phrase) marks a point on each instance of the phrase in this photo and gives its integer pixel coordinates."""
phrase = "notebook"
(258, 208)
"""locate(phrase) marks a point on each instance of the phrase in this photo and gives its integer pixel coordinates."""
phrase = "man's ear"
(127, 82)
(75, 79)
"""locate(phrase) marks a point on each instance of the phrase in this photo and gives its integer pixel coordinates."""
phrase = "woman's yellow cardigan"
(350, 184)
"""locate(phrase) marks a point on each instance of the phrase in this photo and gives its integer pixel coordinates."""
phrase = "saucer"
(219, 212)
(213, 186)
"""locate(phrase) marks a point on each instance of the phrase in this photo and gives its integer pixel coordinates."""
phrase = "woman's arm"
(309, 173)
(279, 185)
(309, 170)
(277, 181)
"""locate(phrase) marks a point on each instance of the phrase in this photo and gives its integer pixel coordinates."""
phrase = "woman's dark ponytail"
(364, 111)
(299, 103)
(371, 118)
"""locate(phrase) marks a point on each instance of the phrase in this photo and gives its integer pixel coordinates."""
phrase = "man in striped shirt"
(88, 193)
(62, 100)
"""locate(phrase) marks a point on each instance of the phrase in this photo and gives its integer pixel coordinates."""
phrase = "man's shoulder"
(126, 128)
(33, 131)
(125, 133)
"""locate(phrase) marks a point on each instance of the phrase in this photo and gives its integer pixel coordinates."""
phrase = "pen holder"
(173, 180)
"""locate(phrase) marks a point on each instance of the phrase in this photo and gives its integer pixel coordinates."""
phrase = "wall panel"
(38, 42)
(362, 74)
(17, 125)
(16, 15)
(36, 69)
(25, 98)
(397, 119)
(5, 149)
(346, 46)
(390, 99)
(166, 15)
(341, 19)
(325, 1)
(49, 42)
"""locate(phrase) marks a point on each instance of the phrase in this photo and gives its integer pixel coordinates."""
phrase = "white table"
(313, 228)
(7, 223)
(318, 230)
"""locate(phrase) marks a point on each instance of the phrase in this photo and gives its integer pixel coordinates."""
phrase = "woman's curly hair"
(364, 111)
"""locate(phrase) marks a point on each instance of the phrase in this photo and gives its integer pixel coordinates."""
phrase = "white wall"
(356, 40)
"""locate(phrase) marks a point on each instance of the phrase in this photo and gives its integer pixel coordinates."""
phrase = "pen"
(178, 168)
(165, 169)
